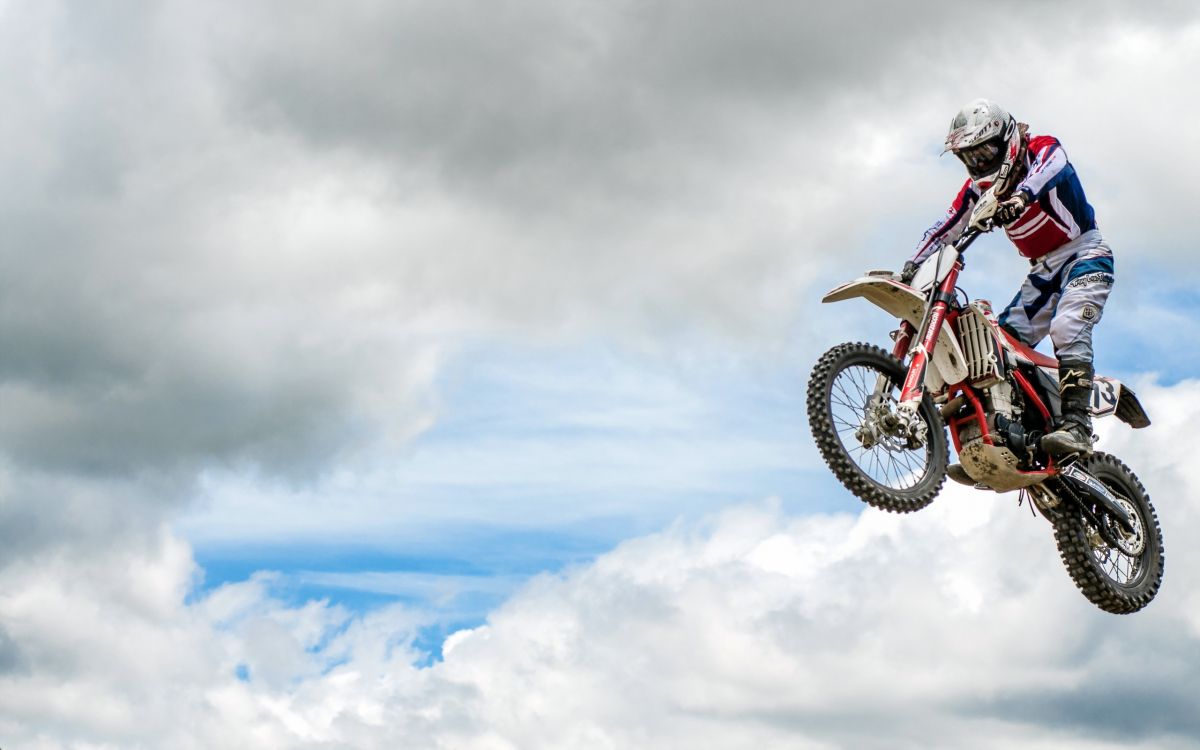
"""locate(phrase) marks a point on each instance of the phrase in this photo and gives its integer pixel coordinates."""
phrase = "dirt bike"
(880, 420)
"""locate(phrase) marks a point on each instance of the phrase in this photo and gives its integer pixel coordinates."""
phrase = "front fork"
(905, 421)
(903, 338)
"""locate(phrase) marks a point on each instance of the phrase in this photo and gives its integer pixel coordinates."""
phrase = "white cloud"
(952, 627)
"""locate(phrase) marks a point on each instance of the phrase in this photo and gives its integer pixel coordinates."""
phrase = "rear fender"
(1111, 396)
(905, 303)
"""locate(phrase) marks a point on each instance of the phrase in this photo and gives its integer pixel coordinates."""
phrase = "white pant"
(1064, 296)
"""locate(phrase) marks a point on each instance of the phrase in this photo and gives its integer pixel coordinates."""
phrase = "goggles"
(981, 159)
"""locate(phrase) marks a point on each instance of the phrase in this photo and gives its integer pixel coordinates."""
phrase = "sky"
(429, 375)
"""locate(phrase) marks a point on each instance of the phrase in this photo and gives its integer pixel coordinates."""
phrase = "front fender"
(903, 302)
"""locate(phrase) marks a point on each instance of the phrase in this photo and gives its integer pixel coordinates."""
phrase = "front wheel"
(852, 400)
(1117, 570)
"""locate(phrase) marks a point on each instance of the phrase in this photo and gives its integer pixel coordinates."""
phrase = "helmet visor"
(981, 159)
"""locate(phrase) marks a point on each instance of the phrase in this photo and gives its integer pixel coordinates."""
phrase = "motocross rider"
(1026, 184)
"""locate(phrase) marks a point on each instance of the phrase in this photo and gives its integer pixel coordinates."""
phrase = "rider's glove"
(909, 271)
(1011, 209)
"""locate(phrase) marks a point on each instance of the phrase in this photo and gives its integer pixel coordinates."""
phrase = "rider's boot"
(959, 474)
(1075, 434)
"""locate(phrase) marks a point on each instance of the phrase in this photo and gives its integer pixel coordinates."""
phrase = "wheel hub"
(1130, 543)
(882, 422)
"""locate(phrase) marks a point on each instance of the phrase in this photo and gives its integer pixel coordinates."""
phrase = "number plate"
(1105, 394)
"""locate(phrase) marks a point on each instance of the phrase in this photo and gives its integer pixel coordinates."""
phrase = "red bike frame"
(943, 311)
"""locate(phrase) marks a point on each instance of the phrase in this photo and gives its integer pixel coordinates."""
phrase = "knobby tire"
(843, 466)
(1079, 550)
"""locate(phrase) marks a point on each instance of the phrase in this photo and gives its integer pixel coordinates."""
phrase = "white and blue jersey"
(1057, 211)
(1072, 273)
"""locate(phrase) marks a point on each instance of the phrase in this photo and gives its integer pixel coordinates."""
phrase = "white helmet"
(987, 141)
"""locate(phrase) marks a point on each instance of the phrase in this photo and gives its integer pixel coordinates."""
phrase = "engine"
(997, 462)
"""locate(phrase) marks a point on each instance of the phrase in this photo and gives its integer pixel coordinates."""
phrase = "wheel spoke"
(889, 462)
(852, 407)
(1119, 566)
(859, 379)
(900, 473)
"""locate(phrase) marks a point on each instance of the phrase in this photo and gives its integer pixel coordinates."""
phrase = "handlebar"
(966, 239)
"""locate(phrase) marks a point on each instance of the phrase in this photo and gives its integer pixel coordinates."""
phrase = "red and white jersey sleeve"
(951, 226)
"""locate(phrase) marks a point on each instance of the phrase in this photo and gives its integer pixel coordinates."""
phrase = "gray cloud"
(138, 338)
(11, 657)
(553, 99)
(545, 107)
(618, 168)
(1109, 710)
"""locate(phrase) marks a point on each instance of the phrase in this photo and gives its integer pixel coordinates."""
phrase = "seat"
(1028, 353)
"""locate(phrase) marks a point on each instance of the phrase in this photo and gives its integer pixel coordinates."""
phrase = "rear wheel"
(856, 432)
(1117, 570)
